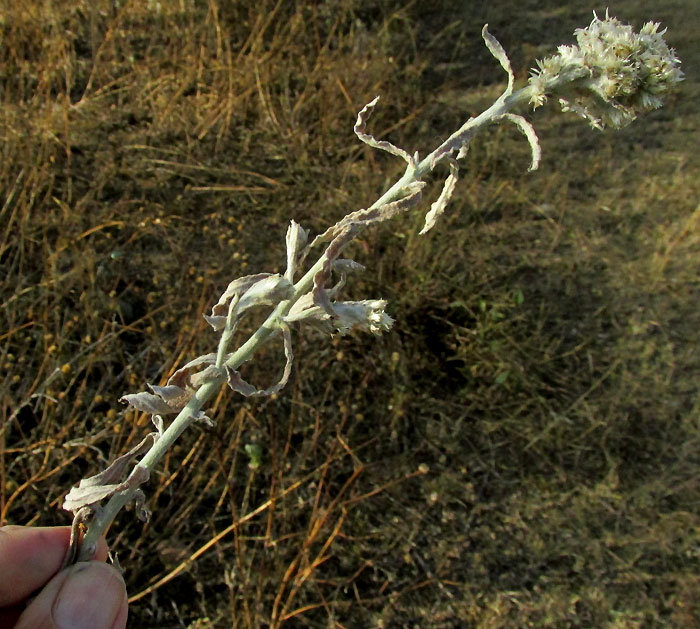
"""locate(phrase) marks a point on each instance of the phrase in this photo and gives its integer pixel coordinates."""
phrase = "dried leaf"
(463, 150)
(289, 359)
(303, 308)
(383, 145)
(346, 229)
(211, 373)
(234, 290)
(320, 293)
(143, 513)
(146, 403)
(204, 419)
(366, 217)
(236, 382)
(529, 132)
(174, 396)
(497, 51)
(79, 497)
(458, 141)
(181, 377)
(168, 399)
(117, 468)
(80, 518)
(346, 266)
(313, 315)
(438, 207)
(215, 321)
(343, 267)
(158, 423)
(295, 240)
(266, 292)
(95, 488)
(139, 475)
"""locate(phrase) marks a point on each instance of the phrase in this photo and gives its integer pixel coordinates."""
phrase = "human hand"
(88, 594)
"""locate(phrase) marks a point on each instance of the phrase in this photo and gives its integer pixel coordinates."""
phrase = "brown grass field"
(521, 450)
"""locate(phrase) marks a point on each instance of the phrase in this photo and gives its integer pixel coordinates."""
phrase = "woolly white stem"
(105, 515)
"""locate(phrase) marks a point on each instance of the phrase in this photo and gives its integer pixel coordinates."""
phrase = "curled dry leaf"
(174, 401)
(301, 309)
(264, 289)
(175, 397)
(321, 296)
(236, 382)
(295, 240)
(346, 229)
(184, 378)
(267, 292)
(158, 423)
(383, 145)
(147, 403)
(209, 374)
(363, 218)
(143, 513)
(235, 289)
(344, 265)
(458, 141)
(79, 497)
(95, 488)
(437, 209)
(529, 132)
(498, 51)
(202, 418)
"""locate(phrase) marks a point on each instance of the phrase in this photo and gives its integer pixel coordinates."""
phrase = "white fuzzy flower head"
(365, 315)
(612, 75)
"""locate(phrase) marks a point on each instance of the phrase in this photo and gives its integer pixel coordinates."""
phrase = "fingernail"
(90, 598)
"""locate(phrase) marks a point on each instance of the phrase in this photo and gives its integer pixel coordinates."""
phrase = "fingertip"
(29, 557)
(87, 595)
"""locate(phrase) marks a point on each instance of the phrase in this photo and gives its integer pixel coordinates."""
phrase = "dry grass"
(543, 366)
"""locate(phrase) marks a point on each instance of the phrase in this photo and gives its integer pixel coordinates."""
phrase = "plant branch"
(105, 515)
(588, 79)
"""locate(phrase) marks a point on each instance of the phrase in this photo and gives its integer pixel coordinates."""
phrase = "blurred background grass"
(521, 450)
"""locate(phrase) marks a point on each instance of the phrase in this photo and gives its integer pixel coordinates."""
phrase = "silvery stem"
(104, 516)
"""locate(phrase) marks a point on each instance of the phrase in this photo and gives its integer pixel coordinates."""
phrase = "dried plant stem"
(105, 515)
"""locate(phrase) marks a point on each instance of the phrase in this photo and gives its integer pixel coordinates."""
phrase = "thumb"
(87, 595)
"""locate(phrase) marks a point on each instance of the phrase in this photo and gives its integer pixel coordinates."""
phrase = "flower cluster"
(367, 315)
(612, 75)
